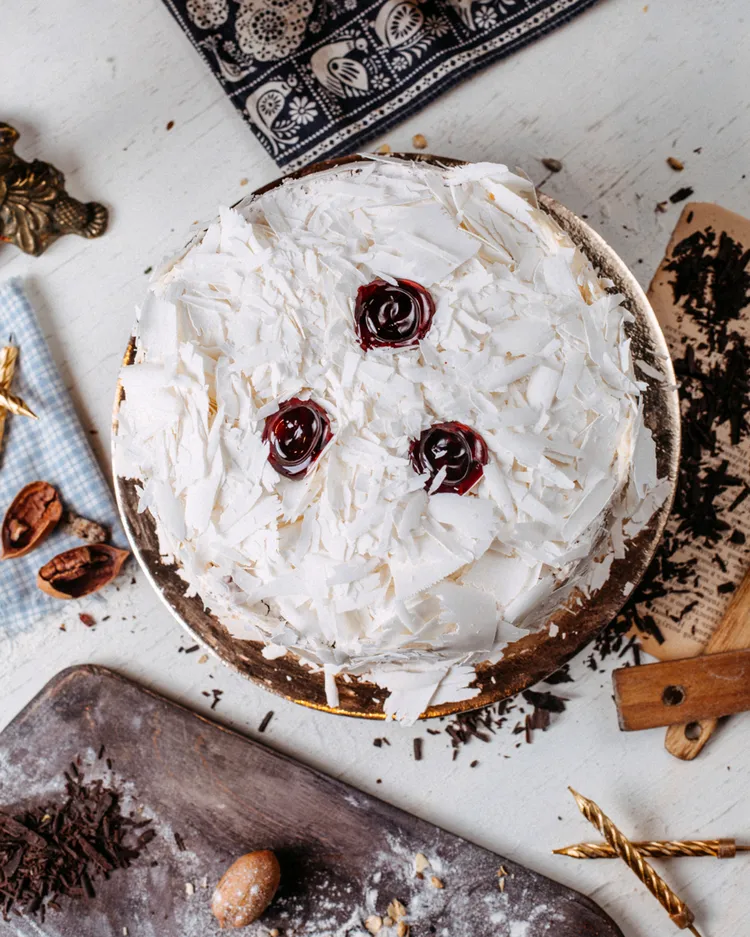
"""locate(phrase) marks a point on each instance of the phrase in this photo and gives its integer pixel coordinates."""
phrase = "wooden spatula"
(732, 634)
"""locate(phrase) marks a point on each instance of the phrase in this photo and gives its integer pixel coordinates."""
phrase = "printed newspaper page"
(701, 296)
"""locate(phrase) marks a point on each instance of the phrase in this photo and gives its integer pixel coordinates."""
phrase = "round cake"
(384, 417)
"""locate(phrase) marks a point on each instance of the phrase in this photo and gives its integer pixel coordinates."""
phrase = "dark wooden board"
(343, 854)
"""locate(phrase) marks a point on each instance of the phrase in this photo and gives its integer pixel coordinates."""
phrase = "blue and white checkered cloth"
(54, 449)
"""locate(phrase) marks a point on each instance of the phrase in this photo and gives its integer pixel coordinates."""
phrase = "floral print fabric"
(315, 78)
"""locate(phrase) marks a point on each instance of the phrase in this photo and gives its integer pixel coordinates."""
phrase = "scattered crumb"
(436, 882)
(554, 165)
(388, 921)
(125, 932)
(402, 930)
(170, 124)
(661, 207)
(675, 163)
(384, 149)
(373, 923)
(396, 910)
(203, 658)
(419, 141)
(501, 884)
(204, 882)
(148, 270)
(62, 627)
(274, 933)
(244, 182)
(189, 889)
(421, 862)
(87, 619)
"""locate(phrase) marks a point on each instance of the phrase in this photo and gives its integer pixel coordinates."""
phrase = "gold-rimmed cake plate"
(533, 657)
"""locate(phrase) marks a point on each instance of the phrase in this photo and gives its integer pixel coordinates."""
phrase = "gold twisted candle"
(9, 402)
(678, 911)
(13, 404)
(658, 849)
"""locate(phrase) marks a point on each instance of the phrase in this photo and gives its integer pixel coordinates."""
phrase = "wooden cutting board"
(344, 855)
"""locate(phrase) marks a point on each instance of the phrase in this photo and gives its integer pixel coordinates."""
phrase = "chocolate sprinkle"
(266, 719)
(54, 852)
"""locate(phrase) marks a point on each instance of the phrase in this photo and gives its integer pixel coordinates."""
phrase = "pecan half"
(81, 571)
(34, 513)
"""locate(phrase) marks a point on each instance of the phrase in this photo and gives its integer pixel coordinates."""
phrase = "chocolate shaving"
(266, 719)
(681, 194)
(418, 744)
(545, 701)
(54, 852)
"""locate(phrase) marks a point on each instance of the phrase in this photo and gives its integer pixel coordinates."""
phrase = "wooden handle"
(682, 691)
(732, 634)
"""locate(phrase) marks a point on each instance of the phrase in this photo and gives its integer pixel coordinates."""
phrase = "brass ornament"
(35, 209)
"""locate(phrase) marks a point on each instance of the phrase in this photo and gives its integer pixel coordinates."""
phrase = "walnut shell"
(33, 515)
(246, 889)
(80, 571)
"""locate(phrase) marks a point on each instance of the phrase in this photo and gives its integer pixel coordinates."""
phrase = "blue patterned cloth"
(316, 78)
(54, 449)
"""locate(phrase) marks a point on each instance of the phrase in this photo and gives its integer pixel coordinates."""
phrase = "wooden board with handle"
(691, 689)
(687, 740)
(344, 855)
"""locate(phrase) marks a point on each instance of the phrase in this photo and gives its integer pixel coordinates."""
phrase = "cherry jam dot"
(455, 447)
(388, 315)
(297, 433)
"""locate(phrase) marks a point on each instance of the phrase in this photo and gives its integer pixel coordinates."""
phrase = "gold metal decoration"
(659, 849)
(9, 402)
(678, 911)
(35, 209)
(578, 618)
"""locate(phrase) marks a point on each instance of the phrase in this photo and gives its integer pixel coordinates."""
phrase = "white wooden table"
(92, 85)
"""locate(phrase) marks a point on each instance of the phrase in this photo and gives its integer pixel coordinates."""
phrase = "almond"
(246, 889)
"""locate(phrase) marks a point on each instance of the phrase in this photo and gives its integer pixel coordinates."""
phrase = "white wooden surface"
(92, 85)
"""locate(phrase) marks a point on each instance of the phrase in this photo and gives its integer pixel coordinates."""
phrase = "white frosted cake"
(381, 415)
